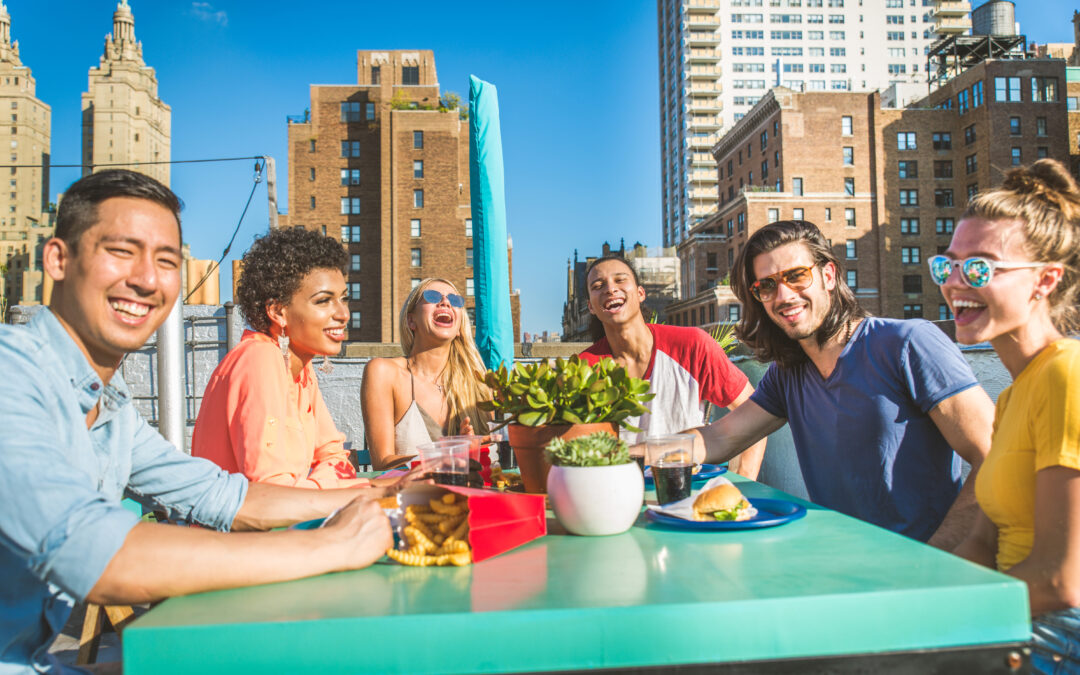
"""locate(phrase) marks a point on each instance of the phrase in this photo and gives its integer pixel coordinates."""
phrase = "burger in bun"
(723, 502)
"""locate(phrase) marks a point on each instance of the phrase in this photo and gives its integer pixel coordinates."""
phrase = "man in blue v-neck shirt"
(72, 445)
(879, 408)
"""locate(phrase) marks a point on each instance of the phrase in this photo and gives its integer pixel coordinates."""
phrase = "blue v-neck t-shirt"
(865, 441)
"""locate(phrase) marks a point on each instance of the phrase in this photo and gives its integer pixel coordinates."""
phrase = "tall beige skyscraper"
(124, 121)
(25, 221)
(718, 58)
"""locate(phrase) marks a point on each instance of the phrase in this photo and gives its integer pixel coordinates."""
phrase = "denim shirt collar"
(88, 387)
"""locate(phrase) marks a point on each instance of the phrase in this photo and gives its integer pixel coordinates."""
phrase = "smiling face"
(437, 320)
(614, 296)
(317, 314)
(798, 313)
(1004, 305)
(115, 290)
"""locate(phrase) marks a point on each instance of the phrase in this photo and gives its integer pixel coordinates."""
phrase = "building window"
(909, 169)
(913, 283)
(1041, 152)
(1007, 89)
(468, 227)
(943, 169)
(1015, 156)
(1040, 126)
(909, 226)
(797, 214)
(418, 199)
(350, 176)
(849, 187)
(414, 257)
(909, 255)
(414, 227)
(410, 75)
(796, 187)
(849, 156)
(376, 71)
(969, 134)
(1014, 126)
(944, 313)
(971, 163)
(312, 203)
(469, 288)
(943, 197)
(468, 257)
(852, 279)
(845, 125)
(350, 234)
(369, 111)
(413, 283)
(909, 198)
(350, 111)
(350, 206)
(764, 140)
(942, 140)
(354, 290)
(418, 140)
(977, 94)
(734, 313)
(354, 320)
(350, 148)
(740, 221)
(711, 264)
(943, 226)
(311, 145)
(828, 213)
(1044, 89)
(849, 250)
(354, 262)
(1072, 103)
(905, 140)
(774, 215)
(730, 257)
(418, 168)
(764, 170)
(311, 173)
(849, 217)
(912, 311)
(972, 190)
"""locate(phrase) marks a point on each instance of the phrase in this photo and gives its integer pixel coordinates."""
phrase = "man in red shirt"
(685, 366)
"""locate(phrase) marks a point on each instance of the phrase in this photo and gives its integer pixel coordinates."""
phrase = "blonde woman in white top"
(432, 390)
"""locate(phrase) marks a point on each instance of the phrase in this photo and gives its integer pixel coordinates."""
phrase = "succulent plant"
(570, 391)
(599, 449)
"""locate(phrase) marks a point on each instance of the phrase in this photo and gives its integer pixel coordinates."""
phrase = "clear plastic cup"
(446, 460)
(671, 459)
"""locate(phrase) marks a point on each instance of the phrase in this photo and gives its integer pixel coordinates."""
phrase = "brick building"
(384, 166)
(885, 186)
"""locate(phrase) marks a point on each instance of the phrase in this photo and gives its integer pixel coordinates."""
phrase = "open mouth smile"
(129, 311)
(614, 304)
(336, 334)
(967, 311)
(443, 318)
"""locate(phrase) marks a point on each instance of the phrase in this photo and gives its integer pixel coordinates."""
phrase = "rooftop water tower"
(996, 17)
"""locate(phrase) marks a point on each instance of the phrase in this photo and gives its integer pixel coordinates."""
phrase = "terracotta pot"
(529, 443)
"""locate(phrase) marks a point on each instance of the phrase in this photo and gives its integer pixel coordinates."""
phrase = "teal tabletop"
(823, 585)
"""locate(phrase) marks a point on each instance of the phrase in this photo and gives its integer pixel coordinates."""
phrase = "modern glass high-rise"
(717, 58)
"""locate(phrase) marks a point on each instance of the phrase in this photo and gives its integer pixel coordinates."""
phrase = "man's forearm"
(960, 519)
(159, 561)
(269, 506)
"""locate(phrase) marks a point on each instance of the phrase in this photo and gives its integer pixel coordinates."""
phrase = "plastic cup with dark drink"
(446, 460)
(672, 462)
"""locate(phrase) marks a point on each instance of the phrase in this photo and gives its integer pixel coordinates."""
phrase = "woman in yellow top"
(432, 390)
(1010, 276)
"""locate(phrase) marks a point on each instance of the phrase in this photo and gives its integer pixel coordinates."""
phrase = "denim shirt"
(61, 484)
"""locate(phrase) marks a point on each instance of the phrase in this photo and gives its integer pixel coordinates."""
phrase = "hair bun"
(1045, 178)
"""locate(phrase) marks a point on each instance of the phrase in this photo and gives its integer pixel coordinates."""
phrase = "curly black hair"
(275, 266)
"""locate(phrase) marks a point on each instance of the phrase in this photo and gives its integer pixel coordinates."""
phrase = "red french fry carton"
(498, 521)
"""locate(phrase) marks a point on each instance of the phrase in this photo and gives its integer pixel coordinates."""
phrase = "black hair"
(275, 266)
(756, 330)
(78, 210)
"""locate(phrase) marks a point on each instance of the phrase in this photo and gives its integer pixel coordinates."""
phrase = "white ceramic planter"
(596, 500)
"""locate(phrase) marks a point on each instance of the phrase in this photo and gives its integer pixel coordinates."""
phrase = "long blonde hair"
(463, 377)
(1045, 198)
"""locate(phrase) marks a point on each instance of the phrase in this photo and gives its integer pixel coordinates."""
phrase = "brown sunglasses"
(795, 278)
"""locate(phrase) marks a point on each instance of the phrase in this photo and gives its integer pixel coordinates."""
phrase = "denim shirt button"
(94, 386)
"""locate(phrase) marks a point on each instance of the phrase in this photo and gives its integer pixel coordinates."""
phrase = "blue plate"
(707, 471)
(771, 512)
(308, 524)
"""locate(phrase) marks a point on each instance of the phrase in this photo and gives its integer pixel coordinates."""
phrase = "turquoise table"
(812, 589)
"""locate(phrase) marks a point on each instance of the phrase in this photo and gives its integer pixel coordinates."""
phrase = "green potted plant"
(565, 399)
(594, 487)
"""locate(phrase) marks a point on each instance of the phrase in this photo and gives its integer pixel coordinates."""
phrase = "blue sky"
(577, 94)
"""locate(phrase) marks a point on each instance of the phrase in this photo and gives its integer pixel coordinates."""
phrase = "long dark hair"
(756, 330)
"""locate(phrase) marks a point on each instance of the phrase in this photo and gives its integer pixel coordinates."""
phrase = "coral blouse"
(255, 419)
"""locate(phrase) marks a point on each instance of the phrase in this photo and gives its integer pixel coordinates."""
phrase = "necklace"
(847, 332)
(436, 384)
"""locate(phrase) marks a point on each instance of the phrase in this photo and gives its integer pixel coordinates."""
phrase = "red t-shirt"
(687, 369)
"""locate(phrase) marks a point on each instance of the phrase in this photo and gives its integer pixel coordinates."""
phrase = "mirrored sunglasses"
(795, 278)
(976, 272)
(433, 297)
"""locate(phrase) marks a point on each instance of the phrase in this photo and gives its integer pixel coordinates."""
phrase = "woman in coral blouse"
(433, 389)
(1011, 278)
(262, 414)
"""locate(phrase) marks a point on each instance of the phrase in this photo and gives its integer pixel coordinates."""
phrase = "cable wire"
(213, 267)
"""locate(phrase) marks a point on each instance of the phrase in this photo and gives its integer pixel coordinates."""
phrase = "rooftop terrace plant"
(599, 449)
(570, 391)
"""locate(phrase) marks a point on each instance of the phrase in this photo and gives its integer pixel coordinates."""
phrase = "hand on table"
(362, 531)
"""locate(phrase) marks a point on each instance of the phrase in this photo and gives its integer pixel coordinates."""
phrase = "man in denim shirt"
(72, 445)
